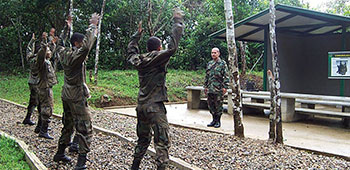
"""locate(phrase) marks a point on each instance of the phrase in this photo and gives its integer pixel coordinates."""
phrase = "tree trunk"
(243, 48)
(17, 25)
(233, 67)
(276, 70)
(272, 116)
(71, 14)
(98, 41)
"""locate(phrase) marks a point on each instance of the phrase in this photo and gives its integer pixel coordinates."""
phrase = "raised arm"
(31, 47)
(133, 47)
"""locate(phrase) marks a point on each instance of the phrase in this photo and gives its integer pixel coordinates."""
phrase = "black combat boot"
(81, 164)
(135, 164)
(38, 126)
(212, 123)
(217, 123)
(60, 156)
(43, 131)
(27, 120)
(74, 147)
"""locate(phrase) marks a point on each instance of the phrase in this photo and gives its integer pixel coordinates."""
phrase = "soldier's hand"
(140, 29)
(94, 19)
(224, 90)
(33, 36)
(54, 40)
(178, 13)
(69, 21)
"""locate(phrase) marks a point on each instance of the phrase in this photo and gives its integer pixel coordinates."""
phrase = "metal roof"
(293, 20)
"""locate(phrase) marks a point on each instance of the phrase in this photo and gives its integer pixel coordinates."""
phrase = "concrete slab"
(321, 136)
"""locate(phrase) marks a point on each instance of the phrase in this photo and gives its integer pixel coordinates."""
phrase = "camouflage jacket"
(46, 72)
(216, 77)
(152, 66)
(31, 58)
(73, 60)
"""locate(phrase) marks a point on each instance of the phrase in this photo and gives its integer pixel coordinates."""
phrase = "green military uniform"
(75, 93)
(151, 112)
(215, 80)
(33, 81)
(47, 81)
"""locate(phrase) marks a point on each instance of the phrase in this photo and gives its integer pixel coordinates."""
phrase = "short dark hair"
(153, 43)
(76, 37)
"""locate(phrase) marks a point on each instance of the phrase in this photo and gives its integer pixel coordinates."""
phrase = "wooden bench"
(288, 102)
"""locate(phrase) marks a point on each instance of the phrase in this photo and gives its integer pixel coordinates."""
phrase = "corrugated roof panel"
(264, 20)
(259, 36)
(244, 29)
(298, 21)
(325, 29)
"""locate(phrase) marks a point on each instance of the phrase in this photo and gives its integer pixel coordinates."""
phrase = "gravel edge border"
(32, 160)
(179, 163)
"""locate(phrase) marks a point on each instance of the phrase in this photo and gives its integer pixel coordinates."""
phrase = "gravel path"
(219, 151)
(106, 152)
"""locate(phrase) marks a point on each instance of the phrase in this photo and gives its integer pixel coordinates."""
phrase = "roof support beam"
(308, 26)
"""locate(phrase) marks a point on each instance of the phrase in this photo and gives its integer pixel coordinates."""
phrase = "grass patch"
(11, 156)
(120, 85)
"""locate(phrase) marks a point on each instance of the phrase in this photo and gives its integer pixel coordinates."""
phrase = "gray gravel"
(106, 152)
(218, 151)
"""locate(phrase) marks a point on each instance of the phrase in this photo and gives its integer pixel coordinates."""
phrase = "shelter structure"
(304, 39)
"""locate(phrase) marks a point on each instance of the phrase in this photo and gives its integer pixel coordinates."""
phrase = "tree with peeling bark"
(243, 49)
(233, 67)
(272, 115)
(98, 41)
(277, 85)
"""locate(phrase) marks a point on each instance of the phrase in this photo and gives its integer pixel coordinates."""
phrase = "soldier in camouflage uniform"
(75, 93)
(151, 112)
(216, 84)
(32, 82)
(47, 81)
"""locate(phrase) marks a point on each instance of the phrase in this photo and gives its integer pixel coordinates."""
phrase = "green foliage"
(202, 18)
(11, 156)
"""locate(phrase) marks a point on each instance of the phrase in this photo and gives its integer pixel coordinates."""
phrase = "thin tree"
(17, 25)
(276, 70)
(233, 67)
(71, 15)
(153, 27)
(98, 41)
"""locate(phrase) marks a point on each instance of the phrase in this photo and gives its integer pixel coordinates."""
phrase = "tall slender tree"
(276, 70)
(71, 15)
(233, 67)
(98, 41)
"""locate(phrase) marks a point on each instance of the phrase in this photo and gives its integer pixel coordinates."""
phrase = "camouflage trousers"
(76, 114)
(215, 102)
(153, 117)
(46, 104)
(33, 98)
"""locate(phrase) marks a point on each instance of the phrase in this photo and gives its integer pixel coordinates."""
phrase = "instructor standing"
(216, 84)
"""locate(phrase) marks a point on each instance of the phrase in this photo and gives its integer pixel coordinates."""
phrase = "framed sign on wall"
(339, 65)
